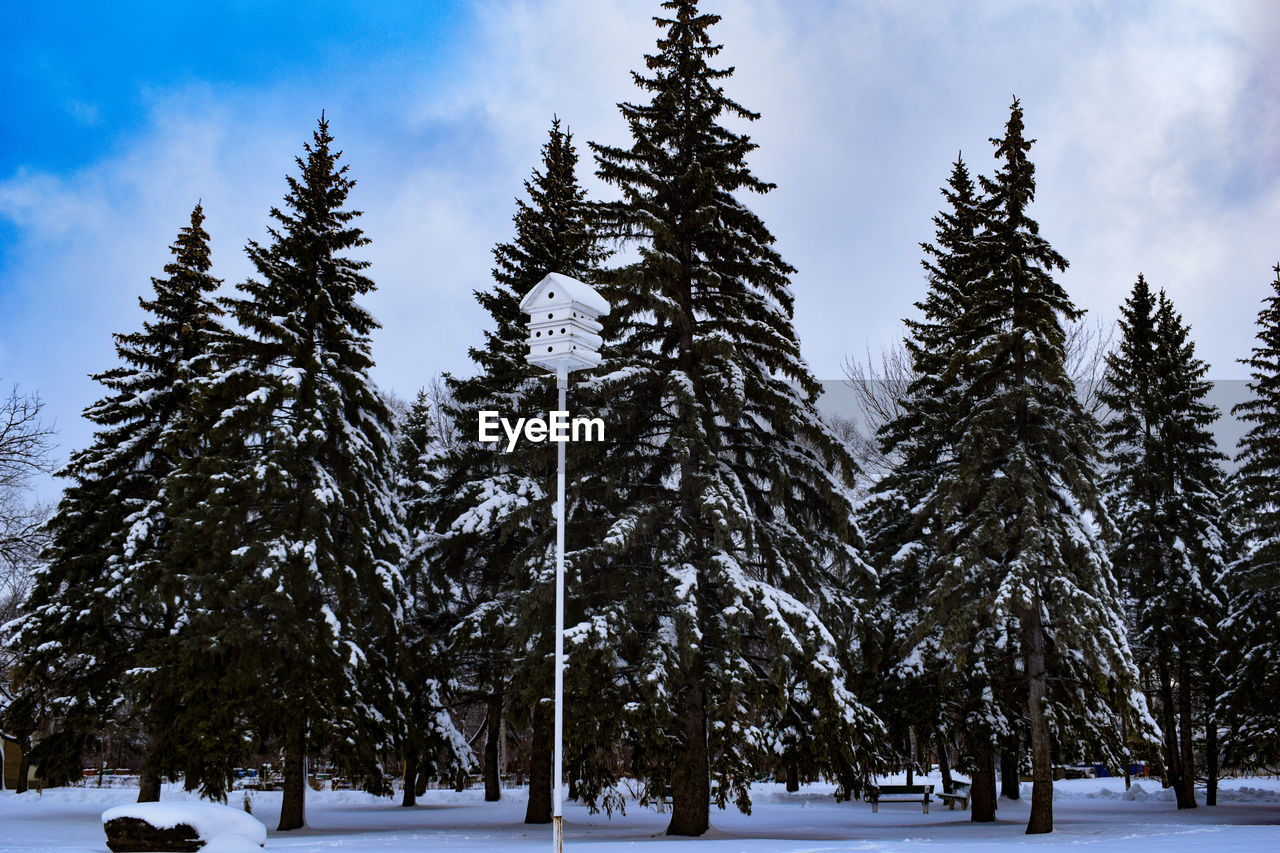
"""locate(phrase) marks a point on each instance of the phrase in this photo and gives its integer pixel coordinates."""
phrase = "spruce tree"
(430, 744)
(901, 522)
(1024, 583)
(491, 509)
(1164, 490)
(718, 573)
(291, 526)
(104, 602)
(1253, 686)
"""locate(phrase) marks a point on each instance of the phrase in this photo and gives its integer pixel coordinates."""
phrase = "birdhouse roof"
(566, 290)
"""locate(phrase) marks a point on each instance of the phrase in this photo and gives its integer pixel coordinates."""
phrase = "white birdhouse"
(564, 333)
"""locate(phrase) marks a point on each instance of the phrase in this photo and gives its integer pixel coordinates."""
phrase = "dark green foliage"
(1164, 488)
(106, 599)
(290, 526)
(490, 510)
(1253, 687)
(1022, 578)
(430, 744)
(718, 577)
(901, 528)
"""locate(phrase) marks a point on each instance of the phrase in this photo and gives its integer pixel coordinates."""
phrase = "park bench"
(957, 796)
(900, 794)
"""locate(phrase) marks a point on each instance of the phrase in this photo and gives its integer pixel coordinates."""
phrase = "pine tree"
(103, 604)
(902, 535)
(718, 573)
(290, 525)
(1023, 578)
(1164, 488)
(430, 744)
(491, 508)
(1253, 687)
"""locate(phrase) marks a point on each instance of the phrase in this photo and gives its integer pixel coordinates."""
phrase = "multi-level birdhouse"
(564, 332)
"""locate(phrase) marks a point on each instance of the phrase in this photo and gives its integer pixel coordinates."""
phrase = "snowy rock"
(205, 827)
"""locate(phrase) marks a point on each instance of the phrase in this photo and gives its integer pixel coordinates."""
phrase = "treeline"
(257, 553)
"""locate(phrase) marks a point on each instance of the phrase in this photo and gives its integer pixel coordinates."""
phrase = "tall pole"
(557, 779)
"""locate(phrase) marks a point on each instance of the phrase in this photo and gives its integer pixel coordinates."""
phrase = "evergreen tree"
(903, 530)
(1164, 487)
(104, 602)
(1023, 578)
(718, 575)
(1253, 686)
(491, 509)
(290, 526)
(430, 744)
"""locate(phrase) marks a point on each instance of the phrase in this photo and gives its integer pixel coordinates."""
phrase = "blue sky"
(82, 78)
(1158, 127)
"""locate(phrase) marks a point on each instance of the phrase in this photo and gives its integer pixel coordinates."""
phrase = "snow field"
(1093, 814)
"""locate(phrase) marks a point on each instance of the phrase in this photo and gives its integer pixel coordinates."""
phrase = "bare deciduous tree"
(26, 450)
(880, 386)
(879, 390)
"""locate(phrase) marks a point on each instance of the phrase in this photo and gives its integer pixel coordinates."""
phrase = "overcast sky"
(1158, 127)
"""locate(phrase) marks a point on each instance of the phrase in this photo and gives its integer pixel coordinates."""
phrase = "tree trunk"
(294, 801)
(911, 755)
(1187, 793)
(982, 795)
(148, 781)
(1010, 784)
(1211, 746)
(1128, 757)
(944, 762)
(24, 770)
(541, 764)
(793, 774)
(460, 780)
(410, 794)
(1041, 819)
(493, 733)
(149, 777)
(691, 774)
(421, 788)
(1173, 769)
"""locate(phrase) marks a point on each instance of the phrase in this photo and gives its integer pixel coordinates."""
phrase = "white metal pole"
(557, 815)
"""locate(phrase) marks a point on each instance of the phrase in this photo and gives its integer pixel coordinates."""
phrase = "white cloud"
(1157, 128)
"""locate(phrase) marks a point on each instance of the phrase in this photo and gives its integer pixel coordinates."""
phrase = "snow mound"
(221, 826)
(1137, 793)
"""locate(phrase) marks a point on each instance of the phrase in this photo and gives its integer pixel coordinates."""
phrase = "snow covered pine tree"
(104, 604)
(1163, 486)
(1253, 687)
(430, 742)
(717, 588)
(1024, 580)
(490, 509)
(291, 527)
(902, 525)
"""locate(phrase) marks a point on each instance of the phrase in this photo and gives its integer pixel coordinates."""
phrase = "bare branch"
(879, 387)
(1087, 346)
(26, 450)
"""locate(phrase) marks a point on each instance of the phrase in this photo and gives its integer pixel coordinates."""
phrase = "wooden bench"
(957, 796)
(900, 794)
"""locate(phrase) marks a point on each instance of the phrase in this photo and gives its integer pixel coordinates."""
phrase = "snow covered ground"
(1097, 814)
